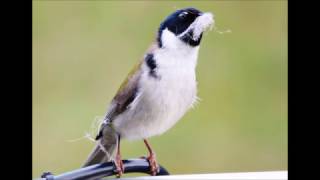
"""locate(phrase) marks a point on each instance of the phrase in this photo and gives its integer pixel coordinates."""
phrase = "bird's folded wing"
(124, 96)
(126, 93)
(128, 90)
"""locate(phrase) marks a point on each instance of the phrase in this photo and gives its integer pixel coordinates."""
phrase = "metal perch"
(98, 171)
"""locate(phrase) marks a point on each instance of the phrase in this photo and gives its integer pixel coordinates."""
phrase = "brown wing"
(126, 93)
(128, 89)
(124, 96)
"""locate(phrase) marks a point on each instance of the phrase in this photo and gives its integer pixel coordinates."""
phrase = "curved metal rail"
(98, 171)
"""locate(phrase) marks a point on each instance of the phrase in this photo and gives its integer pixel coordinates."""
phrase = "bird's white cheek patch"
(170, 40)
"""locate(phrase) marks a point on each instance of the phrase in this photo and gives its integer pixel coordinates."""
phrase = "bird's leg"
(154, 167)
(118, 161)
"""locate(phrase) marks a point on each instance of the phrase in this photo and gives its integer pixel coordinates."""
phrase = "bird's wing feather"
(128, 89)
(126, 93)
(124, 96)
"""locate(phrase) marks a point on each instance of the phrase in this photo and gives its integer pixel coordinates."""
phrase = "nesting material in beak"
(201, 24)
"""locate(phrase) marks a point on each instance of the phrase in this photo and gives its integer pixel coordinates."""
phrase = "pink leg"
(118, 161)
(154, 167)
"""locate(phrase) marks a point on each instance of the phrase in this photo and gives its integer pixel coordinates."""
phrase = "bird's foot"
(154, 167)
(119, 166)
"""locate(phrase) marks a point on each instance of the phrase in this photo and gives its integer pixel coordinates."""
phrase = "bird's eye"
(183, 15)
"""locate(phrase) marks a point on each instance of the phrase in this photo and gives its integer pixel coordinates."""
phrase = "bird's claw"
(154, 167)
(119, 168)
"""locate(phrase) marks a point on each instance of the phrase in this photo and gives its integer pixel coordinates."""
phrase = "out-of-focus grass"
(82, 50)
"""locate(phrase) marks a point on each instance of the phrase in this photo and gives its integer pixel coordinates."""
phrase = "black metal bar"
(98, 171)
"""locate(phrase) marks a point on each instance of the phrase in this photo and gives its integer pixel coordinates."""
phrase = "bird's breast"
(162, 100)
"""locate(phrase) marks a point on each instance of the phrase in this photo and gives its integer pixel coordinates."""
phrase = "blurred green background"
(82, 50)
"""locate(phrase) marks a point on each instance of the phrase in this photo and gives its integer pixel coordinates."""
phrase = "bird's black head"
(178, 22)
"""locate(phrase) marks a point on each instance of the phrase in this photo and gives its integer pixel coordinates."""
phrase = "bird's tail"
(107, 141)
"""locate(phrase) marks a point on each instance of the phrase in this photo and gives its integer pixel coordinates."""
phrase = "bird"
(159, 90)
